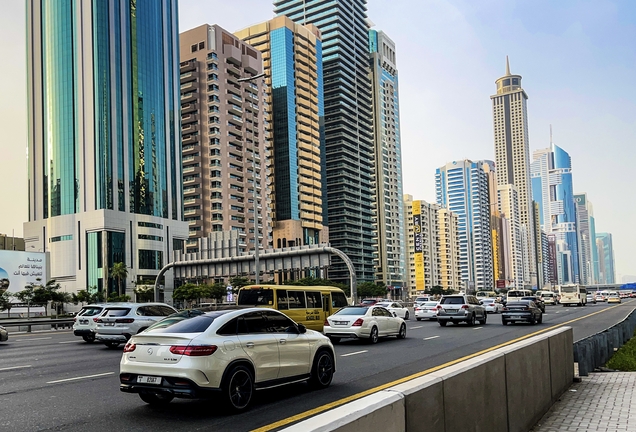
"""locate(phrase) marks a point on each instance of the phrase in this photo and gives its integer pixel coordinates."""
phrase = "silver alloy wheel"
(402, 334)
(373, 337)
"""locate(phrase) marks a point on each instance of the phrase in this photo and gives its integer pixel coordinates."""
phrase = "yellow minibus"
(308, 305)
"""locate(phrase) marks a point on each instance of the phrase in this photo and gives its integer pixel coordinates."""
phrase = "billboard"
(18, 269)
(419, 249)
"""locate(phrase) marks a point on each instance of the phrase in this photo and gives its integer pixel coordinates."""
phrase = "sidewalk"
(603, 401)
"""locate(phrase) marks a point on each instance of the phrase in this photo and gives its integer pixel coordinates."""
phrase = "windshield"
(384, 304)
(256, 297)
(358, 310)
(547, 295)
(569, 289)
(452, 300)
(430, 304)
(516, 293)
(368, 302)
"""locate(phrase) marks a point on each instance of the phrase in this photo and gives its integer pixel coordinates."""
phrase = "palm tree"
(119, 272)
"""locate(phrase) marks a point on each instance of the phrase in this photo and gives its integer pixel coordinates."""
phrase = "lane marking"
(353, 353)
(432, 337)
(73, 341)
(477, 328)
(32, 339)
(79, 378)
(411, 328)
(15, 367)
(339, 402)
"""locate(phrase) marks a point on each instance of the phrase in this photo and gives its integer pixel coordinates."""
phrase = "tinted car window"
(166, 311)
(377, 312)
(338, 299)
(91, 311)
(229, 329)
(115, 312)
(256, 297)
(253, 322)
(452, 300)
(279, 323)
(197, 324)
(357, 310)
(385, 312)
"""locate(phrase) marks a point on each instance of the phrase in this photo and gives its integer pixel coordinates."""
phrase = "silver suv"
(458, 308)
(122, 320)
(85, 321)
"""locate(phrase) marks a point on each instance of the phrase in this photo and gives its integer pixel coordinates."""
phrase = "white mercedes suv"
(120, 321)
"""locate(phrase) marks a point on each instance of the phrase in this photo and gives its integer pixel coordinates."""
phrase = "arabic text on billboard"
(18, 269)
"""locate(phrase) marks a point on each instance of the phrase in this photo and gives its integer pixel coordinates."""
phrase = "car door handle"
(283, 341)
(249, 345)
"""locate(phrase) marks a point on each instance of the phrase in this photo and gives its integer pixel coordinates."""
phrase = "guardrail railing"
(54, 323)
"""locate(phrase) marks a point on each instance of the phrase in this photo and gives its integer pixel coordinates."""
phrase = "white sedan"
(396, 307)
(426, 310)
(491, 305)
(231, 353)
(363, 322)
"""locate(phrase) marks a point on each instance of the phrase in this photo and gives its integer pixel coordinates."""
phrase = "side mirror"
(302, 329)
(394, 314)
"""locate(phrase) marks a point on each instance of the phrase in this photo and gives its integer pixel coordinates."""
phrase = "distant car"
(119, 322)
(461, 308)
(395, 307)
(491, 305)
(362, 322)
(422, 299)
(536, 300)
(426, 310)
(369, 302)
(4, 334)
(591, 298)
(229, 353)
(613, 297)
(548, 298)
(599, 297)
(85, 323)
(521, 311)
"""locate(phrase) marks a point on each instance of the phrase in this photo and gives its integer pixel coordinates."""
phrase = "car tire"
(540, 320)
(533, 321)
(373, 336)
(406, 315)
(483, 322)
(442, 323)
(156, 399)
(504, 322)
(471, 320)
(112, 345)
(89, 338)
(402, 333)
(419, 319)
(238, 388)
(322, 370)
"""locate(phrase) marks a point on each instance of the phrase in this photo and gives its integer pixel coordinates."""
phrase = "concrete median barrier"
(424, 403)
(561, 362)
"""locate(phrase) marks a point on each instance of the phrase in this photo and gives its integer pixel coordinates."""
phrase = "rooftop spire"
(507, 66)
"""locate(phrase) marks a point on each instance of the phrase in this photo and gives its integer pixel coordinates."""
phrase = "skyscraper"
(388, 161)
(224, 140)
(462, 187)
(512, 154)
(552, 189)
(104, 146)
(513, 256)
(587, 238)
(294, 113)
(605, 247)
(348, 127)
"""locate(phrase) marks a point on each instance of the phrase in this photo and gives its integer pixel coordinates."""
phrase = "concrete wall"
(508, 389)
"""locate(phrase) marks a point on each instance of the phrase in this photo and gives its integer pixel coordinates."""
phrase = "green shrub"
(624, 359)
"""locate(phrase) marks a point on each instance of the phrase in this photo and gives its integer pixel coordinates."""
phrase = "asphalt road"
(55, 381)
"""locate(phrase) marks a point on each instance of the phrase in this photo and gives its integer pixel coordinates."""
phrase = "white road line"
(69, 341)
(31, 339)
(353, 353)
(432, 337)
(15, 367)
(477, 328)
(79, 378)
(411, 328)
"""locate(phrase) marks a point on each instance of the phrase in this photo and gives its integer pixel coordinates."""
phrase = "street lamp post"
(255, 147)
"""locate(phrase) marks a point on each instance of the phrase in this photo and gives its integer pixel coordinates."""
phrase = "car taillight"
(97, 320)
(417, 309)
(74, 319)
(358, 322)
(464, 306)
(193, 350)
(326, 323)
(129, 347)
(125, 320)
(505, 308)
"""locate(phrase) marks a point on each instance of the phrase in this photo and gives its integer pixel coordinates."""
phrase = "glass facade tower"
(605, 248)
(348, 128)
(104, 148)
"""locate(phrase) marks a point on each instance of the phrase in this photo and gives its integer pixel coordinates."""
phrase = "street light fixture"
(255, 147)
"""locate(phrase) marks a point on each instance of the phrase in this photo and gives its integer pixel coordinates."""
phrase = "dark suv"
(458, 308)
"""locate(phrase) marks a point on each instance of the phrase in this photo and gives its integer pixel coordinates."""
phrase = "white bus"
(573, 294)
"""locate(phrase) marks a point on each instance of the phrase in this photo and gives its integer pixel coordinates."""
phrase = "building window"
(149, 237)
(60, 238)
(150, 259)
(193, 48)
(201, 45)
(150, 225)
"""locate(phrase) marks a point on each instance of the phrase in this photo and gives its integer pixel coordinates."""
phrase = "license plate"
(148, 379)
(341, 322)
(83, 321)
(516, 316)
(109, 324)
(451, 310)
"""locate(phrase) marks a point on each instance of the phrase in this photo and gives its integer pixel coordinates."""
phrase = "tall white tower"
(512, 153)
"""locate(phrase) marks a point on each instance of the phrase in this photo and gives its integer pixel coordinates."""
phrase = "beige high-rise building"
(512, 239)
(432, 246)
(512, 155)
(224, 137)
(294, 118)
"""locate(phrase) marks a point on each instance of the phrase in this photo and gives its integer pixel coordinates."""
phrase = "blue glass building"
(552, 189)
(104, 145)
(605, 250)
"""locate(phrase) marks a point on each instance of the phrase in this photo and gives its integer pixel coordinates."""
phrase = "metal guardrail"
(54, 323)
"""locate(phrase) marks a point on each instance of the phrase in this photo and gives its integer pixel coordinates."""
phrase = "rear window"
(430, 304)
(368, 302)
(182, 324)
(116, 312)
(90, 311)
(352, 311)
(488, 300)
(256, 297)
(383, 304)
(452, 300)
(518, 304)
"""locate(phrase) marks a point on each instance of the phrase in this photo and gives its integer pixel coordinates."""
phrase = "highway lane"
(73, 386)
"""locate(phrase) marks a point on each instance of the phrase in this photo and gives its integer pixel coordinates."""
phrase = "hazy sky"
(577, 59)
